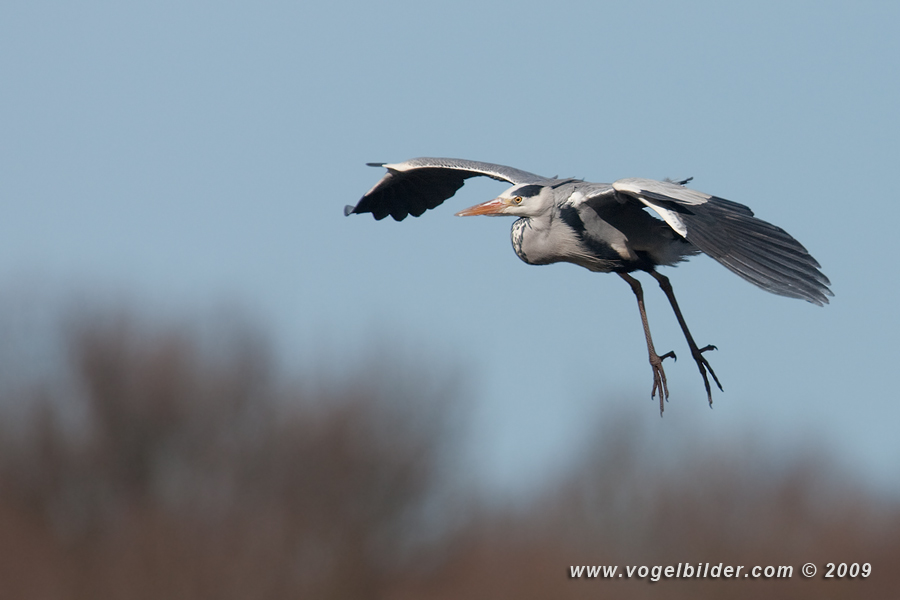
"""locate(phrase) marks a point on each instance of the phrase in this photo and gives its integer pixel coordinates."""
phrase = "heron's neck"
(530, 237)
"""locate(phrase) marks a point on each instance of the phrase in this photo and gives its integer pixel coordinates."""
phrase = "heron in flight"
(605, 228)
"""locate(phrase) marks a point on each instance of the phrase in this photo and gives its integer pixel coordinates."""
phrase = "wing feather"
(762, 253)
(420, 184)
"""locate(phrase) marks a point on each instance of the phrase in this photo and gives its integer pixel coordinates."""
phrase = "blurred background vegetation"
(150, 459)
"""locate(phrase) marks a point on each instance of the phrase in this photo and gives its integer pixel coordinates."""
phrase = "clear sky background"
(190, 155)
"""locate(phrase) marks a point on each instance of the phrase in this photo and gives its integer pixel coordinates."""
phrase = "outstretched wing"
(760, 252)
(414, 186)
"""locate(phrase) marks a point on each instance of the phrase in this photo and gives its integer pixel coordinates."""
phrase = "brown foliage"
(734, 504)
(195, 477)
(188, 472)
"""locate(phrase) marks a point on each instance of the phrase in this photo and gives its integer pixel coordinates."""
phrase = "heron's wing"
(414, 186)
(760, 252)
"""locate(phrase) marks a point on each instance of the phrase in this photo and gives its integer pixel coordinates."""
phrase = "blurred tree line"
(152, 464)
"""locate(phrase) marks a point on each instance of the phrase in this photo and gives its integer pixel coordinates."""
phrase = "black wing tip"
(376, 164)
(820, 298)
(351, 210)
(822, 301)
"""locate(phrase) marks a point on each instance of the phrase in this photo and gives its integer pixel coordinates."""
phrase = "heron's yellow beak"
(491, 207)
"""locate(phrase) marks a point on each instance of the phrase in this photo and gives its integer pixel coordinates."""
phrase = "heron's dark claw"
(704, 366)
(659, 379)
(669, 354)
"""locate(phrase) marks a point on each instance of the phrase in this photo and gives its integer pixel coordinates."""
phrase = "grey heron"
(605, 228)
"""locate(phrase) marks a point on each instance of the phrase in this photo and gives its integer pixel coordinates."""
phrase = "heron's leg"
(659, 375)
(696, 352)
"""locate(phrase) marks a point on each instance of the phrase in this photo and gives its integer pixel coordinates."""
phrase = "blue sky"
(189, 155)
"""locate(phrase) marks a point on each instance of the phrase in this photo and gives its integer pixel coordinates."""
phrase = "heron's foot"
(659, 378)
(704, 366)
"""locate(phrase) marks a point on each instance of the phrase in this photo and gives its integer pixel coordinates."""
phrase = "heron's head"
(523, 200)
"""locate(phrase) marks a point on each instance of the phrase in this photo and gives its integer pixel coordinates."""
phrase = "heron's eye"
(518, 199)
